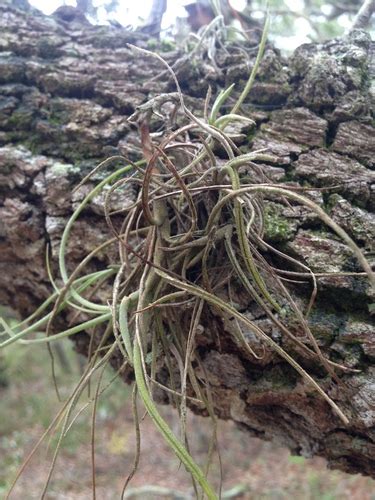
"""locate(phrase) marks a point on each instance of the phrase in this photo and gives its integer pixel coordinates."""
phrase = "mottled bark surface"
(66, 90)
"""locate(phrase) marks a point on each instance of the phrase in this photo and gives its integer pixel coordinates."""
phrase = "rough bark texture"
(66, 91)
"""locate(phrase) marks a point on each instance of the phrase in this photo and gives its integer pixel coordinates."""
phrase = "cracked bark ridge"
(66, 91)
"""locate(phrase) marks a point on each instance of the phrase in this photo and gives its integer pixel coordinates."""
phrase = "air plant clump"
(193, 235)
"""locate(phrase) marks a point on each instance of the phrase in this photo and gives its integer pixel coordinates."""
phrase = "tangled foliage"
(194, 235)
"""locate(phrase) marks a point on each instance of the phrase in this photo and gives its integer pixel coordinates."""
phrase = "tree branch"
(363, 17)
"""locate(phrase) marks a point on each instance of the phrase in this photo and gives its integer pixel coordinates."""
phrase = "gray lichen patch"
(18, 164)
(60, 179)
(327, 73)
(359, 223)
(77, 128)
(320, 252)
(59, 169)
(363, 387)
(324, 254)
(362, 333)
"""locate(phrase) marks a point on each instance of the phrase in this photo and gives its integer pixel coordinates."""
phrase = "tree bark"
(66, 91)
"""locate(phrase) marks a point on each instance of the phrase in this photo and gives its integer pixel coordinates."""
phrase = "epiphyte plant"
(193, 235)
